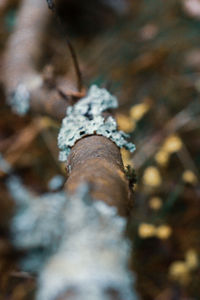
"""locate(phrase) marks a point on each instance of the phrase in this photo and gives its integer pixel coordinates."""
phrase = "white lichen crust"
(20, 99)
(38, 223)
(77, 245)
(85, 118)
(95, 253)
(5, 165)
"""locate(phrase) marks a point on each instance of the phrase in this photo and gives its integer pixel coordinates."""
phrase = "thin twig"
(52, 6)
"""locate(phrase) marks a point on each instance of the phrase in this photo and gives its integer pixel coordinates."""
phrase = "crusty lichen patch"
(85, 118)
(72, 241)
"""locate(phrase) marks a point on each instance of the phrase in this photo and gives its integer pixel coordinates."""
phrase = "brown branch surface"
(97, 160)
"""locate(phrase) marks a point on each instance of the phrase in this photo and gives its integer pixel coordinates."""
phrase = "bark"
(21, 56)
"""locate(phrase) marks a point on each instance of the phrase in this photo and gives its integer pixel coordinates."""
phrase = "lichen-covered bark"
(22, 53)
(94, 159)
(97, 160)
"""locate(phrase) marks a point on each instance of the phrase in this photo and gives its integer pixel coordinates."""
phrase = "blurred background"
(147, 53)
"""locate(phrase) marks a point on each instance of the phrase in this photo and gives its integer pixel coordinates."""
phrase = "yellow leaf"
(152, 177)
(162, 157)
(191, 258)
(155, 203)
(172, 144)
(125, 123)
(179, 271)
(189, 177)
(163, 232)
(137, 111)
(146, 230)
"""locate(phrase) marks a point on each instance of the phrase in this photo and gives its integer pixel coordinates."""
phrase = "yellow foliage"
(137, 111)
(163, 232)
(155, 203)
(162, 157)
(189, 177)
(172, 144)
(179, 271)
(152, 177)
(191, 259)
(146, 230)
(125, 123)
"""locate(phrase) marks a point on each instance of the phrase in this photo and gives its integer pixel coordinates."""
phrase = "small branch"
(76, 66)
(52, 6)
(21, 55)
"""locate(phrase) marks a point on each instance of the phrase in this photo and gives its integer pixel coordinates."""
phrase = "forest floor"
(148, 54)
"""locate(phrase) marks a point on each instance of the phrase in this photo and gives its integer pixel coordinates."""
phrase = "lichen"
(85, 118)
(73, 242)
(20, 100)
(56, 182)
(4, 165)
(95, 253)
(37, 224)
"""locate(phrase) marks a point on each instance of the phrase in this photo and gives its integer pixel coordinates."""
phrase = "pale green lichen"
(20, 100)
(74, 243)
(4, 165)
(56, 182)
(85, 118)
(37, 224)
(95, 253)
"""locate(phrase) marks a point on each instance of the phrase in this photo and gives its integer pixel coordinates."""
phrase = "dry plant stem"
(24, 45)
(97, 160)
